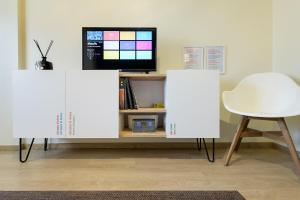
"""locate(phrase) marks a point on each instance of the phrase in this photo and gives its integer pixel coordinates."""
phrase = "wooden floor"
(256, 174)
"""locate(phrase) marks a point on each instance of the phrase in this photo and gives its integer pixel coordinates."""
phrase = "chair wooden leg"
(288, 139)
(238, 144)
(236, 138)
(241, 138)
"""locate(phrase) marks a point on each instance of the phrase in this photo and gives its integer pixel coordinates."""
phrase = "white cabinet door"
(92, 104)
(192, 103)
(38, 104)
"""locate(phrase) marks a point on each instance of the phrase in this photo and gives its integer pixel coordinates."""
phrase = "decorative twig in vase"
(43, 64)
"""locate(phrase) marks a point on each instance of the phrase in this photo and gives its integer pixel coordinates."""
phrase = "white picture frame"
(193, 57)
(215, 58)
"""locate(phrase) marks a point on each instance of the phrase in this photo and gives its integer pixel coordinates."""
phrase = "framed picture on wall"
(193, 57)
(215, 58)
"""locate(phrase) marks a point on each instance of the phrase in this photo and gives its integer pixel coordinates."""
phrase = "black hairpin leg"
(29, 150)
(46, 144)
(210, 159)
(199, 144)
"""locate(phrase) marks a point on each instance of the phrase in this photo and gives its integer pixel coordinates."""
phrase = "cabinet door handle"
(71, 124)
(57, 123)
(60, 124)
(172, 129)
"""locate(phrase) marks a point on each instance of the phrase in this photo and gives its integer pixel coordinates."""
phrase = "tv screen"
(125, 49)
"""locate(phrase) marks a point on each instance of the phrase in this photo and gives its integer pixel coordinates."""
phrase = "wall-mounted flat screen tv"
(124, 49)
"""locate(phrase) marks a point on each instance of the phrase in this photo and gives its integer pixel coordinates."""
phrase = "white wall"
(8, 62)
(286, 48)
(244, 26)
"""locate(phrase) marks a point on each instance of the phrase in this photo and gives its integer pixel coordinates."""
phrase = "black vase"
(44, 64)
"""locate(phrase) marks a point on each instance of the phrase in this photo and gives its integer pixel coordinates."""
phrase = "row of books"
(126, 95)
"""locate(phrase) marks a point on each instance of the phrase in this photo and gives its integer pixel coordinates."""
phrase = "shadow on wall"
(293, 124)
(229, 128)
(226, 134)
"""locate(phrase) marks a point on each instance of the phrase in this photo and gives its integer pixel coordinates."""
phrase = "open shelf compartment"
(148, 89)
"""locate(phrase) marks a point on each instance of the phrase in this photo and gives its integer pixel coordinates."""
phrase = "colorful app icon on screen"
(127, 45)
(127, 35)
(94, 35)
(111, 45)
(111, 35)
(143, 35)
(144, 55)
(144, 45)
(127, 55)
(111, 55)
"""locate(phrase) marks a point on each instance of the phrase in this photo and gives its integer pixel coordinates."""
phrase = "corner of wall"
(21, 34)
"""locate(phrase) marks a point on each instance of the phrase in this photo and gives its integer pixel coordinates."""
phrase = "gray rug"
(123, 195)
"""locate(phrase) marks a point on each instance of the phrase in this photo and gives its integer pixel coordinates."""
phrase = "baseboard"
(156, 145)
(9, 147)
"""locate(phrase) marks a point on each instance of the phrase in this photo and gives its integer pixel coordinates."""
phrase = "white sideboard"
(85, 104)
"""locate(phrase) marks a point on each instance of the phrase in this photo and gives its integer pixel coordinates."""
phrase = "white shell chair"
(264, 96)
